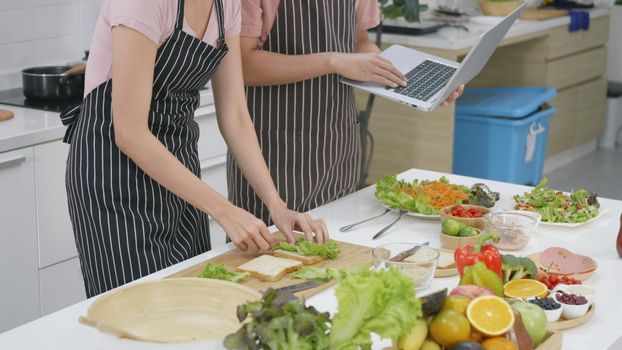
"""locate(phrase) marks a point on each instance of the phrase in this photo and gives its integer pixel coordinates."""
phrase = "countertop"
(458, 39)
(61, 330)
(31, 126)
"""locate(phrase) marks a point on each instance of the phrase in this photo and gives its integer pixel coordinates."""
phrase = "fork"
(351, 226)
(381, 232)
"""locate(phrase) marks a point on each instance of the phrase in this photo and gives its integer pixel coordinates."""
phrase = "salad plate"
(559, 208)
(576, 224)
(424, 199)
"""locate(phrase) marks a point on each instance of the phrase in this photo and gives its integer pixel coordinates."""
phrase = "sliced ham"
(566, 262)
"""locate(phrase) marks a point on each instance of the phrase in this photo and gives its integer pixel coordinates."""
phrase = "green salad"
(329, 250)
(220, 272)
(558, 207)
(420, 196)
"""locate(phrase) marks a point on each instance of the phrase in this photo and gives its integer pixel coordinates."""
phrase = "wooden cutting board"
(352, 256)
(542, 14)
(5, 115)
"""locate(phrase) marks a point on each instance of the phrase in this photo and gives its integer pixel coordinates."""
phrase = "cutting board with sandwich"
(274, 269)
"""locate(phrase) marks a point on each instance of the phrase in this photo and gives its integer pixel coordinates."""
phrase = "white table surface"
(61, 330)
(458, 39)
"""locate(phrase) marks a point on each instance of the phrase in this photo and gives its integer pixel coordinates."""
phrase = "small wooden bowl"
(175, 310)
(453, 243)
(477, 223)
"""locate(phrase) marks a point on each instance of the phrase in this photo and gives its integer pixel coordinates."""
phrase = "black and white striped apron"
(308, 131)
(126, 225)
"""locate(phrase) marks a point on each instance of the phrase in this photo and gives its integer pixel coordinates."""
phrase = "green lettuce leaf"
(317, 274)
(373, 301)
(303, 247)
(220, 272)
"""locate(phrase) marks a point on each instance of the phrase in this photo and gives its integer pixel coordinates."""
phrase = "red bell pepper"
(488, 254)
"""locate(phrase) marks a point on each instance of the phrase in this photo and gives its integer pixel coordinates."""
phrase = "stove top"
(15, 97)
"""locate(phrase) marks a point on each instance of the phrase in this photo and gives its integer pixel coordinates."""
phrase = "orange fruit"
(490, 315)
(498, 343)
(524, 289)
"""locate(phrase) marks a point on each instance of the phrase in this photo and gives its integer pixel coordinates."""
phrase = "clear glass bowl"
(420, 267)
(514, 228)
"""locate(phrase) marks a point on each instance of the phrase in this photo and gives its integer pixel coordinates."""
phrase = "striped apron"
(126, 225)
(308, 131)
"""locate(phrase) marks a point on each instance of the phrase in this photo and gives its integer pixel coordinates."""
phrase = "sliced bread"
(270, 268)
(307, 260)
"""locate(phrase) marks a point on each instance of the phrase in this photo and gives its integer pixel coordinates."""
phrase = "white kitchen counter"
(61, 330)
(458, 39)
(32, 126)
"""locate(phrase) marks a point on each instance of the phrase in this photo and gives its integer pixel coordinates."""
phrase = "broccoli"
(518, 267)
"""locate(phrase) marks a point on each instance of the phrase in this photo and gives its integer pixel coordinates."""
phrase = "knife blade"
(409, 252)
(300, 286)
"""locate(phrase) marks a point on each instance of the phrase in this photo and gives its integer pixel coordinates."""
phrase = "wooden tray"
(441, 273)
(580, 276)
(553, 341)
(352, 256)
(542, 14)
(575, 322)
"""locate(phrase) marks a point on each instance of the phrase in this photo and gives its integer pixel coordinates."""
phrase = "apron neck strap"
(179, 25)
(221, 23)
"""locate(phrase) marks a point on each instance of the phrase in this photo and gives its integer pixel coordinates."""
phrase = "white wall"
(43, 32)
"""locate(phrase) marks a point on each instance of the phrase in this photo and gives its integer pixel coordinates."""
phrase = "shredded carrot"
(438, 193)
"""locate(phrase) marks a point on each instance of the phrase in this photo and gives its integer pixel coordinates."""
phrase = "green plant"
(409, 9)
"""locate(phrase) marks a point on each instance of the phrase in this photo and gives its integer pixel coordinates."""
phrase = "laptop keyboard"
(426, 79)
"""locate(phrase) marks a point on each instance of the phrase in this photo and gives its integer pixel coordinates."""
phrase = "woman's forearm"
(157, 162)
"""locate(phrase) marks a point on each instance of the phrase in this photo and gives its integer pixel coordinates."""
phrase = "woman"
(136, 201)
(294, 54)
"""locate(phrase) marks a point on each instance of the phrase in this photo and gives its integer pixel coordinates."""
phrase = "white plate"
(414, 214)
(578, 224)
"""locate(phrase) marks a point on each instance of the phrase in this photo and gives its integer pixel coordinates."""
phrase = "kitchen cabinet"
(61, 285)
(19, 291)
(56, 241)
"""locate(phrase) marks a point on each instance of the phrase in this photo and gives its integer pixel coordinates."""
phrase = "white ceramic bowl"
(553, 315)
(573, 311)
(579, 289)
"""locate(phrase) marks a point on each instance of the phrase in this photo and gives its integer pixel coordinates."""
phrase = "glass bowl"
(420, 267)
(514, 228)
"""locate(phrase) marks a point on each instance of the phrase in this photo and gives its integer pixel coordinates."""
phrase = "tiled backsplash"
(43, 32)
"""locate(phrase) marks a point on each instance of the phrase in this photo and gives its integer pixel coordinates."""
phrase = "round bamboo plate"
(575, 322)
(441, 273)
(175, 310)
(580, 276)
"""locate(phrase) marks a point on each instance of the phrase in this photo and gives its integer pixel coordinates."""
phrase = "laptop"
(432, 79)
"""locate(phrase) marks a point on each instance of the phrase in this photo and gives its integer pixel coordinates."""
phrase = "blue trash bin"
(502, 133)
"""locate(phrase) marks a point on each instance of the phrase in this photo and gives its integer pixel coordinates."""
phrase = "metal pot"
(50, 83)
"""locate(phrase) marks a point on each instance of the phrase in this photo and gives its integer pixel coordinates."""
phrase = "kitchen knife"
(410, 252)
(300, 286)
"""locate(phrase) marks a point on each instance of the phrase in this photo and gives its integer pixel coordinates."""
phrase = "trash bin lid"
(514, 102)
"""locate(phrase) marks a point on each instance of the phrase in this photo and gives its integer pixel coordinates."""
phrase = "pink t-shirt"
(153, 18)
(258, 17)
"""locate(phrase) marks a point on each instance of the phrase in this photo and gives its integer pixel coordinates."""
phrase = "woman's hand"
(288, 220)
(245, 231)
(367, 67)
(453, 97)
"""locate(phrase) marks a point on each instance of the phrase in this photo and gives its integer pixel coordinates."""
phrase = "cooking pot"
(51, 83)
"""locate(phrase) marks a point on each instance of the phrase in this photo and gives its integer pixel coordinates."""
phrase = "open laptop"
(431, 79)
